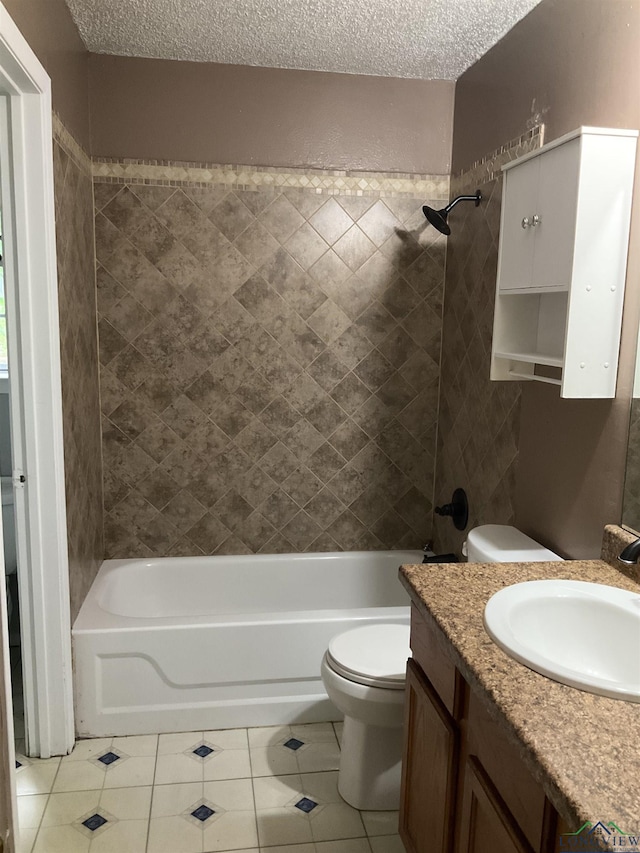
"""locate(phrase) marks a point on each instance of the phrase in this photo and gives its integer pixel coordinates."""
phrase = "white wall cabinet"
(564, 237)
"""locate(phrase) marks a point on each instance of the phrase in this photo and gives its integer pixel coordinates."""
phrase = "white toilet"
(363, 671)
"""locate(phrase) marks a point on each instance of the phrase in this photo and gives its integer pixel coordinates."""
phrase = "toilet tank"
(500, 543)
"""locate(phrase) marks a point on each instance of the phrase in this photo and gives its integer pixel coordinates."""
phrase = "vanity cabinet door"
(485, 823)
(429, 769)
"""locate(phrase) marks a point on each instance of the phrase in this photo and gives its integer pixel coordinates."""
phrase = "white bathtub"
(188, 644)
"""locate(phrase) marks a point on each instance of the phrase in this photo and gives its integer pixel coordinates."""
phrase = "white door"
(7, 749)
(8, 806)
(7, 753)
(14, 443)
(26, 187)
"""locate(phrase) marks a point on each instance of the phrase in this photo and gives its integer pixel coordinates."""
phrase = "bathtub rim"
(92, 617)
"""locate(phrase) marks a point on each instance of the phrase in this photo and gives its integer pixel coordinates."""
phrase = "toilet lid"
(374, 655)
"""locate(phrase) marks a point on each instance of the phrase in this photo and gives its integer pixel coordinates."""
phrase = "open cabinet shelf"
(531, 358)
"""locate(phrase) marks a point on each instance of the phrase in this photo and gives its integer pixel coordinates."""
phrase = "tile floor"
(263, 789)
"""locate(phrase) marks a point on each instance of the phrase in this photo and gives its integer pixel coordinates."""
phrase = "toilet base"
(369, 779)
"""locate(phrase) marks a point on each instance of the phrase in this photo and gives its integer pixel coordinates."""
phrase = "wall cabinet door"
(429, 770)
(537, 234)
(486, 825)
(517, 234)
(556, 209)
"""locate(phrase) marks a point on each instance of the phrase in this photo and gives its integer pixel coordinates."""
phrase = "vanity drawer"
(427, 645)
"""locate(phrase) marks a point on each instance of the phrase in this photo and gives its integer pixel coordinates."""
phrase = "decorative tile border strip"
(71, 146)
(325, 182)
(489, 168)
(321, 181)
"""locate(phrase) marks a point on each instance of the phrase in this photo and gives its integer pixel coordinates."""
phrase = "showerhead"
(438, 218)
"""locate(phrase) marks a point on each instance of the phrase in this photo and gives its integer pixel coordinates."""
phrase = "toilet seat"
(374, 655)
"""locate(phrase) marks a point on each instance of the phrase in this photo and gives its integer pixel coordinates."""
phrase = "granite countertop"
(584, 749)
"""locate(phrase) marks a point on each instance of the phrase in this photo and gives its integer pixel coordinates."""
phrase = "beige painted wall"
(155, 109)
(570, 62)
(204, 112)
(48, 27)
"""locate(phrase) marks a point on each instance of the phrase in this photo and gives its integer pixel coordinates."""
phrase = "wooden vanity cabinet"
(465, 789)
(486, 824)
(430, 768)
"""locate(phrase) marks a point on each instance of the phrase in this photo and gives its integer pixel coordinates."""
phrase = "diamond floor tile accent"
(94, 822)
(306, 805)
(108, 758)
(203, 813)
(294, 744)
(203, 751)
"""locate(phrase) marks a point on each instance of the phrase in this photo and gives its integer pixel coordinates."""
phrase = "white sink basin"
(586, 635)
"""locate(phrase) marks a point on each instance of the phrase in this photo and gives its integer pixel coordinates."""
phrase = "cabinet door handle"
(536, 220)
(526, 222)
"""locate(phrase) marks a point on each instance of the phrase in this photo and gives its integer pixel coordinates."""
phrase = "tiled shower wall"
(269, 360)
(79, 362)
(479, 420)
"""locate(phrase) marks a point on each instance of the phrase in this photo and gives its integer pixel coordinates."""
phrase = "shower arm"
(475, 197)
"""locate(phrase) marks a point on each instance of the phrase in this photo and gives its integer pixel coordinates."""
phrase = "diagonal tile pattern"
(71, 805)
(269, 369)
(79, 363)
(479, 419)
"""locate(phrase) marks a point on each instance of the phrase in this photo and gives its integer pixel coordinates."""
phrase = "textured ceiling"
(430, 39)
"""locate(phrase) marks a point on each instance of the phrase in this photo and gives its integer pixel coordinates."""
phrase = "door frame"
(36, 392)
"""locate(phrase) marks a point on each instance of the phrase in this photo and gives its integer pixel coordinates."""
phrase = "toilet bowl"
(363, 671)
